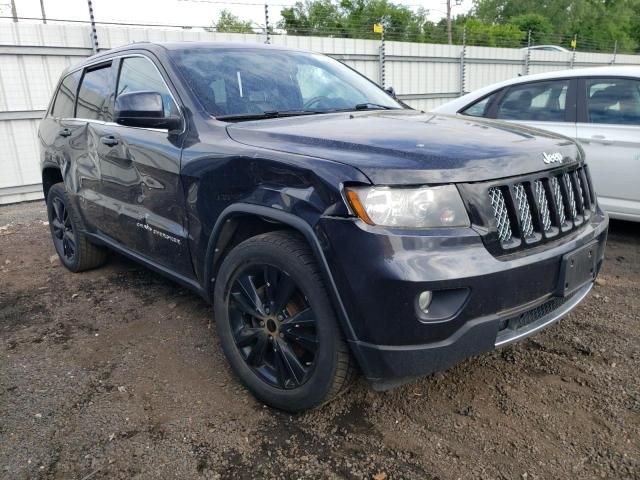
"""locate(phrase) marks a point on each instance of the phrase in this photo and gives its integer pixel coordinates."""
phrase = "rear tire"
(277, 326)
(72, 245)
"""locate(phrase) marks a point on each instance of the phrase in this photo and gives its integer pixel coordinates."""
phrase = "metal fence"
(32, 56)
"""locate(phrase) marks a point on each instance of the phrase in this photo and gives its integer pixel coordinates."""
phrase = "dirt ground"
(115, 373)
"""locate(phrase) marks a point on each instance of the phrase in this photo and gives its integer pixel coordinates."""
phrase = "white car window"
(540, 101)
(613, 101)
(479, 109)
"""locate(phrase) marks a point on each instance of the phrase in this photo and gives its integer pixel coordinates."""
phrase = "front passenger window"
(540, 101)
(138, 74)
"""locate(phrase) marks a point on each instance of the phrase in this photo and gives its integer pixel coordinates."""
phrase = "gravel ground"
(116, 373)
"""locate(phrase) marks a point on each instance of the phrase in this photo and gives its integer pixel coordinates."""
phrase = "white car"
(600, 107)
(546, 48)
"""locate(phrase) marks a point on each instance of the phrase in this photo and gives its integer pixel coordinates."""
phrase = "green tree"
(230, 23)
(539, 26)
(354, 19)
(599, 24)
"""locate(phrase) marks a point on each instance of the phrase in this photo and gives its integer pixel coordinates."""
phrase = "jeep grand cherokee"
(333, 228)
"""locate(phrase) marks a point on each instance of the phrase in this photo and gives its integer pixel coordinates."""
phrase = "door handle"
(65, 132)
(109, 140)
(601, 139)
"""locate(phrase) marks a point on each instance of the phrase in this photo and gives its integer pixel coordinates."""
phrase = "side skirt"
(186, 282)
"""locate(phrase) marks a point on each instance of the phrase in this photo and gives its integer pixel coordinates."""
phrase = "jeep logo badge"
(552, 157)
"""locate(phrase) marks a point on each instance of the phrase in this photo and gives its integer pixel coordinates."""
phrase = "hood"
(406, 147)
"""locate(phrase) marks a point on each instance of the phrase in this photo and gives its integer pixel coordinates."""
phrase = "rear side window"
(613, 101)
(95, 98)
(138, 74)
(540, 101)
(65, 101)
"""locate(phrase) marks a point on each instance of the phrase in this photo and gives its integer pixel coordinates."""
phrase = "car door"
(140, 175)
(549, 105)
(63, 138)
(609, 130)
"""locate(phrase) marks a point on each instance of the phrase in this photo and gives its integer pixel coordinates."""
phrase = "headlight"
(422, 207)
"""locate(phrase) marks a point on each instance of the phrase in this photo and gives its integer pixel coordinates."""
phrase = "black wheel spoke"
(256, 355)
(297, 329)
(58, 209)
(57, 225)
(247, 336)
(248, 288)
(290, 367)
(302, 319)
(271, 281)
(242, 304)
(71, 241)
(307, 341)
(284, 291)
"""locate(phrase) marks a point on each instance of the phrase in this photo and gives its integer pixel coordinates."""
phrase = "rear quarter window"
(65, 101)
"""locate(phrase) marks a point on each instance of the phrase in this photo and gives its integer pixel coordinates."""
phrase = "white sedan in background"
(599, 107)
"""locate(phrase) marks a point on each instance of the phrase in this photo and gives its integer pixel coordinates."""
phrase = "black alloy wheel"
(276, 323)
(75, 250)
(273, 326)
(64, 238)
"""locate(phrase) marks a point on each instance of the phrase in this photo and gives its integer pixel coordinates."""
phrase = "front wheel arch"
(279, 220)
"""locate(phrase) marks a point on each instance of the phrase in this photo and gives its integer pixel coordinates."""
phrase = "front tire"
(277, 326)
(74, 249)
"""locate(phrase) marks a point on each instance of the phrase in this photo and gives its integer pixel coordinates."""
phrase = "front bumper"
(379, 273)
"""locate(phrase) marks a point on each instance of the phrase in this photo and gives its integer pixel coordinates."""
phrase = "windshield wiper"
(270, 114)
(372, 106)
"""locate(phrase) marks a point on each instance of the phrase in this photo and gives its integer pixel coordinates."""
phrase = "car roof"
(156, 46)
(606, 71)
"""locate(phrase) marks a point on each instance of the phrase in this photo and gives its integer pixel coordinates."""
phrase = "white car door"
(609, 131)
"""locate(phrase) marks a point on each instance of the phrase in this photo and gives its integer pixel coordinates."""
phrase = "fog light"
(424, 300)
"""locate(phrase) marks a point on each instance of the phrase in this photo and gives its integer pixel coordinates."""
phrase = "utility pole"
(14, 12)
(44, 16)
(449, 34)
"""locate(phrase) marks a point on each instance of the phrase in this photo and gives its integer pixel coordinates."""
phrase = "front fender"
(293, 221)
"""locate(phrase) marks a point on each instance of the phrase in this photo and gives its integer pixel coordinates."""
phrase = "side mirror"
(145, 110)
(390, 91)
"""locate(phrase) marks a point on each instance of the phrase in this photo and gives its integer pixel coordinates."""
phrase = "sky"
(184, 12)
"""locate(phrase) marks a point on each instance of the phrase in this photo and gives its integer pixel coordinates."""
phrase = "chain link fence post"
(574, 44)
(44, 15)
(94, 33)
(14, 12)
(615, 52)
(463, 55)
(382, 56)
(527, 58)
(266, 24)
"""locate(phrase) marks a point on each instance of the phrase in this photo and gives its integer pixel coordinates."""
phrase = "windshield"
(244, 82)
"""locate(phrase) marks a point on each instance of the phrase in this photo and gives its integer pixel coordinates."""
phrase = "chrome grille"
(501, 215)
(524, 211)
(557, 199)
(571, 197)
(543, 205)
(582, 200)
(533, 210)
